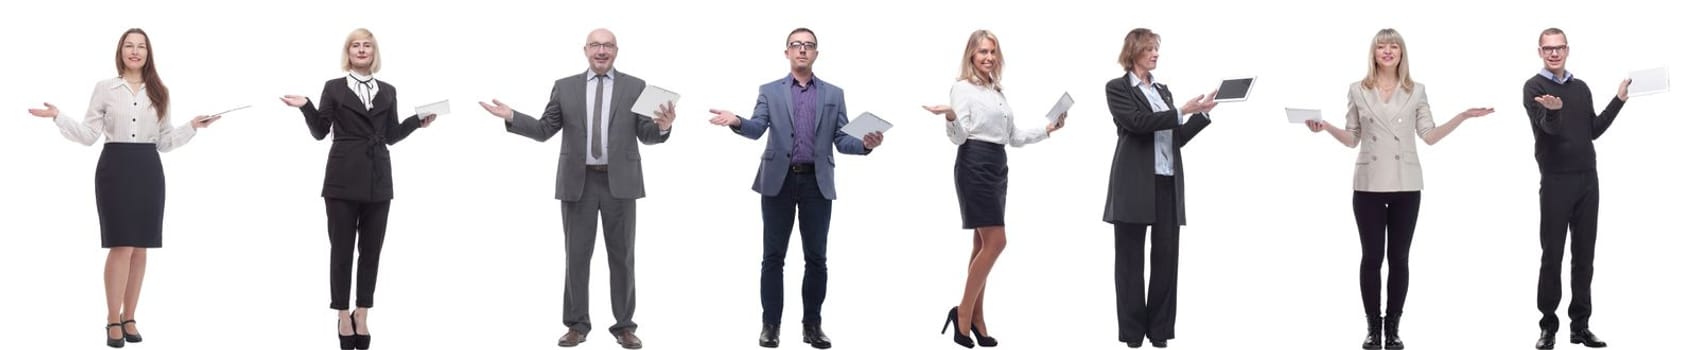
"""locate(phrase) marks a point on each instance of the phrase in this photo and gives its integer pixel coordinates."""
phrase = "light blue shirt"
(1163, 138)
(1547, 74)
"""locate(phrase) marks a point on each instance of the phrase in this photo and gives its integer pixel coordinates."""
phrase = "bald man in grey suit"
(600, 172)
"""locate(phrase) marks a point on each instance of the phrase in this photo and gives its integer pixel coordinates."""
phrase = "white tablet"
(1648, 82)
(1235, 89)
(1302, 115)
(866, 123)
(652, 98)
(438, 108)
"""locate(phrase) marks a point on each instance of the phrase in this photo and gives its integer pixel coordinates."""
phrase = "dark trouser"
(801, 190)
(619, 215)
(1567, 201)
(1154, 319)
(355, 224)
(1381, 218)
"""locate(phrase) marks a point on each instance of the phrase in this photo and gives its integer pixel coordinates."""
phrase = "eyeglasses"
(1547, 50)
(607, 46)
(803, 45)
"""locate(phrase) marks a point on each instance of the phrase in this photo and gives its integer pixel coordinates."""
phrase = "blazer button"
(1375, 157)
(1397, 138)
(1399, 157)
(1375, 138)
(135, 103)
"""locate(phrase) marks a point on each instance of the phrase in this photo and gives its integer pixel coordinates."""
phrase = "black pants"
(354, 224)
(1567, 201)
(801, 190)
(1156, 317)
(1386, 223)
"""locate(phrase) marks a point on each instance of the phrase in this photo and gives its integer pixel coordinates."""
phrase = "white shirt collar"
(589, 75)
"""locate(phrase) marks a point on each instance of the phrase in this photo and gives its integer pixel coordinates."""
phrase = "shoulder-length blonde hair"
(376, 53)
(1388, 36)
(969, 71)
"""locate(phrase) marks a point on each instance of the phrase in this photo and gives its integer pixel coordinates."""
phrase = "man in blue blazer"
(806, 116)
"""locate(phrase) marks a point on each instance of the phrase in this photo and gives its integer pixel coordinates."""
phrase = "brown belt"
(597, 168)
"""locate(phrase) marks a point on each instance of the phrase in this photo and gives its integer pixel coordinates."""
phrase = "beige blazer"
(1386, 132)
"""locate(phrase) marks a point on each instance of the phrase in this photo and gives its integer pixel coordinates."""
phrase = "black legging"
(355, 224)
(1382, 215)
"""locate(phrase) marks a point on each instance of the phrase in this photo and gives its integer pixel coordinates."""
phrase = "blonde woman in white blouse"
(132, 112)
(980, 121)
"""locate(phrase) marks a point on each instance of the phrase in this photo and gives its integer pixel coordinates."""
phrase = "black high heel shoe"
(361, 341)
(346, 341)
(115, 342)
(954, 318)
(983, 340)
(133, 338)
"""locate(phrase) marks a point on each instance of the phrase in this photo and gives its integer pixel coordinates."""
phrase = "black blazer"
(1131, 181)
(358, 168)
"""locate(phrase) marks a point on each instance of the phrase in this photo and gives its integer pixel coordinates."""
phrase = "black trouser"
(1386, 223)
(354, 224)
(1567, 201)
(1156, 317)
(801, 191)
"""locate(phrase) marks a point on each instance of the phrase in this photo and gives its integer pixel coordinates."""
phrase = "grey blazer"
(772, 112)
(566, 113)
(1386, 132)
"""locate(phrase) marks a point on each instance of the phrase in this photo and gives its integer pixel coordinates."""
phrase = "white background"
(474, 255)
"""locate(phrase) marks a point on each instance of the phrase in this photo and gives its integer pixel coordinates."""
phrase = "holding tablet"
(1235, 89)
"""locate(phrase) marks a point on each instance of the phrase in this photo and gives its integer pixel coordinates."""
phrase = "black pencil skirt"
(981, 183)
(129, 192)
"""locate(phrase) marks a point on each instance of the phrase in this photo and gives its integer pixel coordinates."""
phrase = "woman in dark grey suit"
(357, 181)
(1146, 188)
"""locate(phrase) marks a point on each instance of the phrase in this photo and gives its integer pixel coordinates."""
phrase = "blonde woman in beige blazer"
(1387, 111)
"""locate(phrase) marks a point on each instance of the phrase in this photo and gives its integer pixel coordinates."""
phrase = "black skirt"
(129, 191)
(981, 183)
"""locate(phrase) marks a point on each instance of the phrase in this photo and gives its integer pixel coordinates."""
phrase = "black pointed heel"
(954, 318)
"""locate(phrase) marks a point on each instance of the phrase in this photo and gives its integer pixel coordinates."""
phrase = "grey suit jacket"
(1131, 182)
(772, 112)
(566, 113)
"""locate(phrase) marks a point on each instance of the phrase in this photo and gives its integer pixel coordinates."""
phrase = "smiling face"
(1552, 48)
(601, 49)
(1387, 54)
(987, 58)
(132, 52)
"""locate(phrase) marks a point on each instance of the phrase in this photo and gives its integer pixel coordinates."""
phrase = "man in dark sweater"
(1564, 122)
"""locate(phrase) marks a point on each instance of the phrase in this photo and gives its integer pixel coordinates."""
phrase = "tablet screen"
(1234, 89)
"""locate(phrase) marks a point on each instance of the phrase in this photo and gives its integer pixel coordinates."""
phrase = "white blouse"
(364, 86)
(982, 113)
(124, 116)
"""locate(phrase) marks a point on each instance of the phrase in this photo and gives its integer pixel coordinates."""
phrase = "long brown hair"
(157, 93)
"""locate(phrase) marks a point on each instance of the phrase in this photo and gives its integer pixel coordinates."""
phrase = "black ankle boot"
(1375, 333)
(1392, 340)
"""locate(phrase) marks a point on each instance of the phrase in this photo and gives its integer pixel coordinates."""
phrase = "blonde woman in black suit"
(1387, 111)
(357, 180)
(132, 112)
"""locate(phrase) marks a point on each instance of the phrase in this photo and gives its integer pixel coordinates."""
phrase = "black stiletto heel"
(954, 318)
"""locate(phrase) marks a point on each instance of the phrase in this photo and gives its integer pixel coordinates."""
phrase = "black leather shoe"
(1393, 341)
(130, 337)
(115, 342)
(983, 340)
(1134, 343)
(1162, 343)
(1375, 333)
(572, 338)
(1546, 340)
(768, 335)
(1584, 336)
(812, 335)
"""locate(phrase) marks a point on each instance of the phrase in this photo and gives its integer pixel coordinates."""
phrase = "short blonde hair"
(1137, 42)
(1388, 36)
(376, 54)
(970, 73)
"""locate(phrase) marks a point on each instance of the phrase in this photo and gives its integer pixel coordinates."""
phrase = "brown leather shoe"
(572, 338)
(627, 338)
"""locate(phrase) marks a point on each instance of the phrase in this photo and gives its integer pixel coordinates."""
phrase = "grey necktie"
(595, 130)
